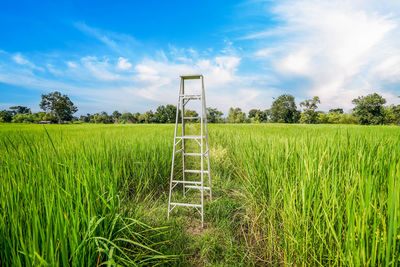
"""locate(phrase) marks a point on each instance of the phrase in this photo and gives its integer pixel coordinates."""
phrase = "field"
(282, 195)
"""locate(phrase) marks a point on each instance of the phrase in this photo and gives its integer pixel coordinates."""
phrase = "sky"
(128, 55)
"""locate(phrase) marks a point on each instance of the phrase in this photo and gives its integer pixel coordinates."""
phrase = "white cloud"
(123, 64)
(71, 64)
(344, 48)
(18, 58)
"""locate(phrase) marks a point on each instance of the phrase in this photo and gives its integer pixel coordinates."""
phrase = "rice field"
(282, 195)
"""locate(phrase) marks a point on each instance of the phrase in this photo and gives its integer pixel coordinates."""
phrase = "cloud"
(123, 64)
(18, 58)
(115, 82)
(343, 48)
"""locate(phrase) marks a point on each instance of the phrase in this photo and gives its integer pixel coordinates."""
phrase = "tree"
(165, 114)
(6, 115)
(392, 114)
(309, 115)
(128, 118)
(59, 105)
(284, 109)
(116, 116)
(236, 115)
(20, 110)
(369, 109)
(214, 115)
(337, 110)
(149, 116)
(257, 115)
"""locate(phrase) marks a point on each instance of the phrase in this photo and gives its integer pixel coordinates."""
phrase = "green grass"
(282, 194)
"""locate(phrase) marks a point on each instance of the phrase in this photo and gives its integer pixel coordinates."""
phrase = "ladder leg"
(183, 140)
(173, 157)
(202, 155)
(206, 134)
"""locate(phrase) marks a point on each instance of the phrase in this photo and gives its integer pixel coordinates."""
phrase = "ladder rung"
(190, 137)
(191, 97)
(186, 204)
(196, 154)
(185, 182)
(193, 154)
(195, 171)
(197, 187)
(191, 118)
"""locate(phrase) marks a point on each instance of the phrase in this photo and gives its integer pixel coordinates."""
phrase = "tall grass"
(320, 195)
(312, 195)
(69, 193)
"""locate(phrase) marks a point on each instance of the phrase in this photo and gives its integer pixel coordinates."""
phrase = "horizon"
(128, 56)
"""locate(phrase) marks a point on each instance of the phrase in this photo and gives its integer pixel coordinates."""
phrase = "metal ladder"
(201, 140)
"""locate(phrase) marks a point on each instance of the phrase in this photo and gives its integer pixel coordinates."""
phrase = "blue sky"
(128, 55)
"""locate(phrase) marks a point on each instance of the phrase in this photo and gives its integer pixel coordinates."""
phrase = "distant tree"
(20, 110)
(85, 118)
(284, 110)
(309, 115)
(59, 105)
(257, 115)
(214, 115)
(236, 115)
(128, 118)
(165, 114)
(116, 116)
(149, 116)
(23, 118)
(6, 115)
(336, 110)
(370, 109)
(191, 113)
(392, 114)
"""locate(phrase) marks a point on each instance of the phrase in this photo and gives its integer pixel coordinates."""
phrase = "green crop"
(284, 194)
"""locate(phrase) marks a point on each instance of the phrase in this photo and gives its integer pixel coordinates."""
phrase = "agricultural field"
(282, 195)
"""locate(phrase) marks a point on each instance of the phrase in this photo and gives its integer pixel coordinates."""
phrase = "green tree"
(20, 110)
(338, 110)
(60, 105)
(392, 114)
(284, 110)
(116, 116)
(165, 114)
(369, 109)
(309, 114)
(236, 115)
(6, 115)
(214, 115)
(258, 116)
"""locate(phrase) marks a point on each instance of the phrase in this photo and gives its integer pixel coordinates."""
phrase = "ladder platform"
(185, 204)
(197, 187)
(191, 137)
(196, 171)
(191, 77)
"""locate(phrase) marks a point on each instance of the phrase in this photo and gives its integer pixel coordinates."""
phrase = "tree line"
(368, 110)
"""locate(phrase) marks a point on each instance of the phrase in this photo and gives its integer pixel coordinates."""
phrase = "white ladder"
(201, 140)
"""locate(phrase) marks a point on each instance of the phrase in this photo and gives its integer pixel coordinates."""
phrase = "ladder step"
(197, 187)
(186, 204)
(195, 171)
(190, 137)
(195, 154)
(185, 182)
(194, 97)
(191, 118)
